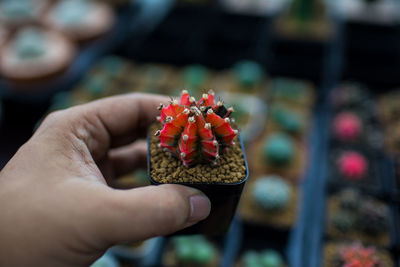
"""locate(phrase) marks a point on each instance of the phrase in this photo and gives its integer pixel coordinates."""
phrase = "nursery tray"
(176, 40)
(373, 51)
(367, 146)
(218, 42)
(315, 230)
(392, 181)
(227, 39)
(298, 58)
(137, 18)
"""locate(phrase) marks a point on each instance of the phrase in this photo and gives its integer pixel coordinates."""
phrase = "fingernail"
(200, 208)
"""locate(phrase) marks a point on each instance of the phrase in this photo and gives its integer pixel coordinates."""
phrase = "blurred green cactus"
(271, 193)
(248, 73)
(195, 76)
(266, 258)
(278, 149)
(289, 120)
(194, 249)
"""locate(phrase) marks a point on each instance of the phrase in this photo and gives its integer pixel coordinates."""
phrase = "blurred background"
(315, 87)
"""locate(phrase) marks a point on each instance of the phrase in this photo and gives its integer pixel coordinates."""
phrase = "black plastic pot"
(224, 200)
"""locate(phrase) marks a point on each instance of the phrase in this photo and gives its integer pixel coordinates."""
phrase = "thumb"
(141, 213)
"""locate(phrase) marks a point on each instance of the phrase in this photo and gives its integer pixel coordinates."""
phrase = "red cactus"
(347, 126)
(353, 165)
(196, 132)
(358, 256)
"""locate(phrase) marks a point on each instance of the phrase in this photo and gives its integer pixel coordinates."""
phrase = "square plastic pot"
(224, 200)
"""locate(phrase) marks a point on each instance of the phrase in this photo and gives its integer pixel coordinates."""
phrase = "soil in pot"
(165, 168)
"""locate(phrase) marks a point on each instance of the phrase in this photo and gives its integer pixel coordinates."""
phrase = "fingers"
(126, 117)
(106, 123)
(146, 212)
(128, 158)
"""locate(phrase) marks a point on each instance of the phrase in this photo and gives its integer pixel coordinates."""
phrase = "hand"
(56, 208)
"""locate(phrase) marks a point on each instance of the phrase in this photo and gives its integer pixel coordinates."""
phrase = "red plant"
(196, 131)
(353, 165)
(347, 126)
(356, 255)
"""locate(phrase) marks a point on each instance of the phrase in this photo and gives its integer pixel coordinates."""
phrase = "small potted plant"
(356, 216)
(81, 21)
(269, 201)
(264, 258)
(305, 19)
(355, 254)
(347, 128)
(292, 92)
(290, 120)
(354, 167)
(33, 56)
(279, 153)
(194, 144)
(193, 251)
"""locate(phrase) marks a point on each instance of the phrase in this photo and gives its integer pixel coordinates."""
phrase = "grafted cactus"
(356, 255)
(373, 217)
(196, 131)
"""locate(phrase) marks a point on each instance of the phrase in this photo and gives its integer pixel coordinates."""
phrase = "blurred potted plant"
(198, 147)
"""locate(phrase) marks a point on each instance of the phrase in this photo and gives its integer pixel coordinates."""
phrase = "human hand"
(56, 208)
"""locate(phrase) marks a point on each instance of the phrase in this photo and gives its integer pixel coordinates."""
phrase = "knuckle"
(54, 117)
(52, 121)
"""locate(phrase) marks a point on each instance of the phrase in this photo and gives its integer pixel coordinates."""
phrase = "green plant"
(194, 76)
(289, 120)
(248, 73)
(267, 258)
(271, 193)
(278, 149)
(194, 249)
(29, 43)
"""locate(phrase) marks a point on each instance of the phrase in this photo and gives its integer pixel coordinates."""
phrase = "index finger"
(126, 117)
(109, 122)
